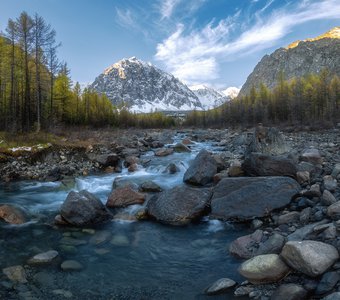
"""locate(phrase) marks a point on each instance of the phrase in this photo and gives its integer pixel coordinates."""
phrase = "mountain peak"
(142, 87)
(334, 33)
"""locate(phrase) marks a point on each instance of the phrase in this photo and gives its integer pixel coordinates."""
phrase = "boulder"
(258, 164)
(179, 205)
(262, 269)
(201, 170)
(83, 209)
(303, 177)
(309, 257)
(220, 286)
(124, 196)
(246, 198)
(289, 291)
(13, 214)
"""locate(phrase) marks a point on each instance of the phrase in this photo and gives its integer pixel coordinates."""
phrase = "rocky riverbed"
(283, 187)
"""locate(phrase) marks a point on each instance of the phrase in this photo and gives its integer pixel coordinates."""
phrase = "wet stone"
(71, 265)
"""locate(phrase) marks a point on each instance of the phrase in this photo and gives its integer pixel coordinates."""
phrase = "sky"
(213, 42)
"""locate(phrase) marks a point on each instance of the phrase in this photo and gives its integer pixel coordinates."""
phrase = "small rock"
(65, 294)
(172, 168)
(305, 215)
(164, 152)
(179, 147)
(43, 258)
(120, 240)
(333, 210)
(327, 283)
(235, 169)
(256, 224)
(16, 274)
(333, 296)
(100, 237)
(327, 198)
(289, 291)
(288, 218)
(220, 286)
(246, 246)
(312, 156)
(329, 183)
(150, 187)
(71, 265)
(264, 269)
(302, 177)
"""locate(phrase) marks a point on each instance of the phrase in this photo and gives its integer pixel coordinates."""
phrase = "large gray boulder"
(245, 198)
(202, 169)
(83, 209)
(179, 205)
(258, 164)
(309, 257)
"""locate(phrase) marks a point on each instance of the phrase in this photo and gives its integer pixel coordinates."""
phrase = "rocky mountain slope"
(211, 98)
(143, 88)
(208, 97)
(298, 59)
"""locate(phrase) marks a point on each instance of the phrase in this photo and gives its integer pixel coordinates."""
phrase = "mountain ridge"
(300, 59)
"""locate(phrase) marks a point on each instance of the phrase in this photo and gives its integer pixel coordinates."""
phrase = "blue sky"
(213, 42)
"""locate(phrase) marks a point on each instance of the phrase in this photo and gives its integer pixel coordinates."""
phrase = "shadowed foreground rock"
(258, 164)
(245, 198)
(179, 206)
(83, 209)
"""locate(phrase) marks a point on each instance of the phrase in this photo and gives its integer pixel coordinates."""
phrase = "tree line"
(36, 91)
(312, 99)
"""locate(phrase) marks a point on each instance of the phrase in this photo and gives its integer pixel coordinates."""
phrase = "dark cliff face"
(143, 87)
(300, 59)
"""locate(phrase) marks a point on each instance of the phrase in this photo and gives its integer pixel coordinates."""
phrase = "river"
(122, 259)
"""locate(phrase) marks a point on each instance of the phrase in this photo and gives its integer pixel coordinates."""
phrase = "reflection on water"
(121, 259)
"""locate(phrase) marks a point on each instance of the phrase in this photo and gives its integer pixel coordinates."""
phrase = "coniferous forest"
(313, 99)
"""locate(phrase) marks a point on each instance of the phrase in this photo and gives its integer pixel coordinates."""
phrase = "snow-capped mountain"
(231, 92)
(208, 97)
(143, 88)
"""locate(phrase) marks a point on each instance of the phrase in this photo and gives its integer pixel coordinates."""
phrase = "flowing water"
(122, 259)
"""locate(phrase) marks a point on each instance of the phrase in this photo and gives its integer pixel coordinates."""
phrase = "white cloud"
(193, 56)
(168, 7)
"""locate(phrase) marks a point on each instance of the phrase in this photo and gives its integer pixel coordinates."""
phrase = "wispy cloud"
(167, 8)
(125, 18)
(192, 56)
